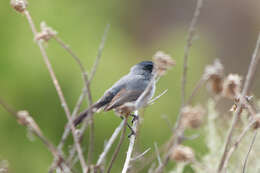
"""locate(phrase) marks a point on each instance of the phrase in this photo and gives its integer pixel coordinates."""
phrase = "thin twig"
(157, 97)
(59, 91)
(248, 82)
(191, 33)
(195, 90)
(122, 137)
(99, 54)
(109, 144)
(67, 128)
(247, 155)
(85, 91)
(25, 119)
(77, 59)
(175, 139)
(158, 154)
(93, 71)
(85, 123)
(237, 142)
(140, 155)
(130, 147)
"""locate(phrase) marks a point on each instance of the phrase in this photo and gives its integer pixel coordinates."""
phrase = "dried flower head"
(214, 76)
(19, 5)
(182, 154)
(232, 86)
(163, 62)
(192, 117)
(46, 33)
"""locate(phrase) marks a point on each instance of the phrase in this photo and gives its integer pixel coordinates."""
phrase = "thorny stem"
(248, 82)
(122, 137)
(59, 91)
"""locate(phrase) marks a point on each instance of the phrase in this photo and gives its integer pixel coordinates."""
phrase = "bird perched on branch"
(126, 91)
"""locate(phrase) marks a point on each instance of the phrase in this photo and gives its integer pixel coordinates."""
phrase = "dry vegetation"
(230, 138)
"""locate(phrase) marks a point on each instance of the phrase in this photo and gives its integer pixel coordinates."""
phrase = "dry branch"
(248, 82)
(58, 89)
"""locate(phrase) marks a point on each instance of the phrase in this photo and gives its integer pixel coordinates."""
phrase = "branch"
(99, 54)
(140, 155)
(130, 147)
(178, 130)
(58, 89)
(109, 144)
(248, 82)
(237, 142)
(250, 148)
(122, 137)
(191, 33)
(25, 119)
(93, 71)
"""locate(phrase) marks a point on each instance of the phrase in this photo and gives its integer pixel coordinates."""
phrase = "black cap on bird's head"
(144, 66)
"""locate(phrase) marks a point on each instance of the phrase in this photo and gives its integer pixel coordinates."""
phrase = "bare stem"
(248, 82)
(59, 91)
(122, 137)
(176, 138)
(109, 144)
(26, 120)
(247, 155)
(191, 33)
(99, 54)
(237, 142)
(93, 71)
(130, 147)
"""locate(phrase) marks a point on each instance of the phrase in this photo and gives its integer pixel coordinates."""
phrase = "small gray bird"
(127, 90)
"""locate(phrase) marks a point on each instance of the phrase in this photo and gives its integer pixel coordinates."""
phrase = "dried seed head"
(19, 5)
(46, 33)
(163, 62)
(182, 154)
(214, 76)
(232, 86)
(192, 117)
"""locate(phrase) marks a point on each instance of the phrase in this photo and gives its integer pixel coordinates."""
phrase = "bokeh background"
(227, 30)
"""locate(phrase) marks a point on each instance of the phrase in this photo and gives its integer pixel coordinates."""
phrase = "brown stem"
(58, 89)
(122, 137)
(248, 82)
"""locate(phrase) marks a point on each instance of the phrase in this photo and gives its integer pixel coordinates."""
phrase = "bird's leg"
(135, 117)
(132, 130)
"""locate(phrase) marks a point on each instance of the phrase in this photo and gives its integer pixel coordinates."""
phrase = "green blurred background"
(139, 28)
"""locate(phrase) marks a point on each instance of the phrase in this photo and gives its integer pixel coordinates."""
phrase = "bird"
(126, 90)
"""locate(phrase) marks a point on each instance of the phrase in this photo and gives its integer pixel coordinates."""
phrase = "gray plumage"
(127, 89)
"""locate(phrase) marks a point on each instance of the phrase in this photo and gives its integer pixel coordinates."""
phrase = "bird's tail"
(81, 117)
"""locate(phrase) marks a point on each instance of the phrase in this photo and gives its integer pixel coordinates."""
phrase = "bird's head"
(144, 67)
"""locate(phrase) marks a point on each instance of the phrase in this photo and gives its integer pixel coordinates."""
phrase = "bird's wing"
(122, 97)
